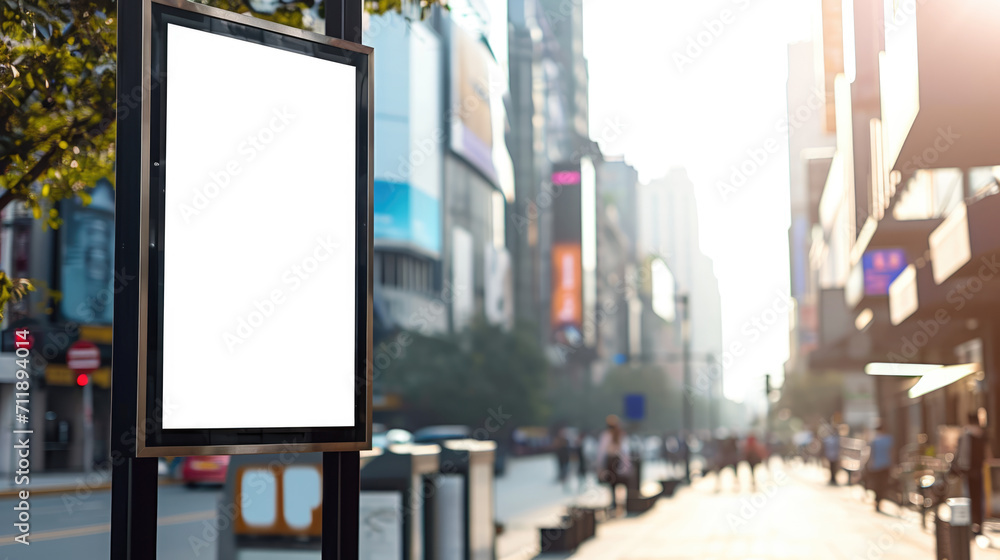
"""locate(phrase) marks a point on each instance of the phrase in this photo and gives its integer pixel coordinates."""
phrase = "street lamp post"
(686, 358)
(710, 359)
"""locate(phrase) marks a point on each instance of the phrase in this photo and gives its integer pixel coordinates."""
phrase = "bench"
(578, 525)
(641, 500)
(669, 487)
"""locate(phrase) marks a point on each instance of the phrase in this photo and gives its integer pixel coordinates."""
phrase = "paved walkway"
(793, 514)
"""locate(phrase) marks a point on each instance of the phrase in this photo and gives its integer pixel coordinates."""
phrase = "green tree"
(57, 111)
(663, 400)
(812, 397)
(383, 6)
(459, 378)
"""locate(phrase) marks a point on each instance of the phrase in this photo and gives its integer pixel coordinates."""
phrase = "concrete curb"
(70, 488)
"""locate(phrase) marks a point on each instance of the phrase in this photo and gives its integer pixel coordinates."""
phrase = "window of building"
(405, 272)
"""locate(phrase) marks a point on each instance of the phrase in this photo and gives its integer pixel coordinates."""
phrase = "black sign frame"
(139, 353)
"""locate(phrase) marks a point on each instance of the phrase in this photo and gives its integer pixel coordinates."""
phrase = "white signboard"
(259, 236)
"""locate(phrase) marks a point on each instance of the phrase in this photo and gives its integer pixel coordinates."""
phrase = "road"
(67, 526)
(70, 526)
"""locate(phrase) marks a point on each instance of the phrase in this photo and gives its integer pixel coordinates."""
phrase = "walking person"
(969, 459)
(754, 455)
(561, 444)
(581, 460)
(879, 463)
(831, 450)
(613, 462)
(728, 456)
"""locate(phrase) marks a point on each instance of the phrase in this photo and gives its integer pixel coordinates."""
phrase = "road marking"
(87, 530)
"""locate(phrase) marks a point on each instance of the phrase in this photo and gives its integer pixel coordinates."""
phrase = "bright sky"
(704, 107)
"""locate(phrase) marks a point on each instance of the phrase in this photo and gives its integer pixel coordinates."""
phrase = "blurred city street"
(499, 279)
(793, 515)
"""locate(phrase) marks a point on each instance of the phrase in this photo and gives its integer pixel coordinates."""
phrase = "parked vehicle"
(437, 434)
(389, 437)
(207, 469)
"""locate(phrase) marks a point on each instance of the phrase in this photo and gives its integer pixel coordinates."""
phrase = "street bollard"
(942, 532)
(398, 500)
(465, 513)
(961, 519)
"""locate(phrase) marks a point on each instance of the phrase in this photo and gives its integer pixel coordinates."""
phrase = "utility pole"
(686, 358)
(710, 360)
(767, 397)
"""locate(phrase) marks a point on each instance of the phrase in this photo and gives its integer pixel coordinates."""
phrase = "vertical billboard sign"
(567, 255)
(833, 55)
(471, 117)
(409, 136)
(248, 329)
(881, 267)
(87, 257)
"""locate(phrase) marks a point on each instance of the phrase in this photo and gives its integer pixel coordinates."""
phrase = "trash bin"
(464, 511)
(397, 503)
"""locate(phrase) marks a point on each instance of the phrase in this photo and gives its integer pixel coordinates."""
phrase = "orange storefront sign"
(567, 285)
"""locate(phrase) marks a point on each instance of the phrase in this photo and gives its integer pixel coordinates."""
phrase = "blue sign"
(881, 267)
(87, 260)
(404, 214)
(635, 407)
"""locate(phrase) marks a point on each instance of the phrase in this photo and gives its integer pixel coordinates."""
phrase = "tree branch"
(8, 197)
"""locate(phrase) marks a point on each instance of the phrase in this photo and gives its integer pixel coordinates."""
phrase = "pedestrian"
(831, 450)
(561, 444)
(754, 455)
(728, 456)
(879, 463)
(613, 457)
(581, 460)
(969, 459)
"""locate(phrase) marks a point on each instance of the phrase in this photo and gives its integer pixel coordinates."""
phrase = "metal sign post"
(175, 347)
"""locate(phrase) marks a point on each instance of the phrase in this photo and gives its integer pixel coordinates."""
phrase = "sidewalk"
(792, 515)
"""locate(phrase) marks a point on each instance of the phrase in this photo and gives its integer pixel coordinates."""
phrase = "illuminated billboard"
(881, 267)
(567, 289)
(570, 322)
(471, 117)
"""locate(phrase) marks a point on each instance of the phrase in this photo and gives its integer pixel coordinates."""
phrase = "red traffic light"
(82, 379)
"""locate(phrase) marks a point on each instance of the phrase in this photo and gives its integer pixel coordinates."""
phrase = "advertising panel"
(881, 267)
(252, 221)
(409, 136)
(87, 258)
(463, 303)
(407, 216)
(471, 118)
(567, 305)
(567, 291)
